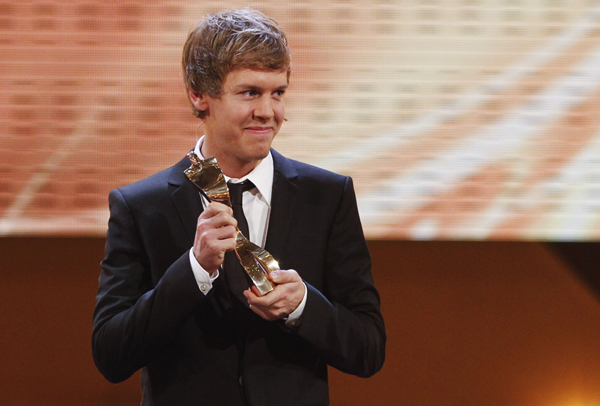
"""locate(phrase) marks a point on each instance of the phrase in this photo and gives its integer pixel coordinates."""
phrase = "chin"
(261, 156)
(261, 151)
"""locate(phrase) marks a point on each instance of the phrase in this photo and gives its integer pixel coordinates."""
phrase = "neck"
(236, 171)
(231, 167)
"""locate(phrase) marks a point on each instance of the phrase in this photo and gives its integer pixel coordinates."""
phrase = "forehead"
(256, 78)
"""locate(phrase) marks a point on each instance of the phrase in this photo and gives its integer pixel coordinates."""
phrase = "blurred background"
(457, 119)
(470, 127)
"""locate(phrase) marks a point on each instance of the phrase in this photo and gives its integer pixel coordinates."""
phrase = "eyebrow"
(252, 87)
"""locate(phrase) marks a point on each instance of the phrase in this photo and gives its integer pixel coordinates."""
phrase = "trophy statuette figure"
(207, 176)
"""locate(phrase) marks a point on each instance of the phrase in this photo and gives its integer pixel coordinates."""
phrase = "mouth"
(259, 129)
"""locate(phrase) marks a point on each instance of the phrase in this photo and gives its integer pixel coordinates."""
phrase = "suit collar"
(185, 196)
(176, 176)
(283, 203)
(284, 166)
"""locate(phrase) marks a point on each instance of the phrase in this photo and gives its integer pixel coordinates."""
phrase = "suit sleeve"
(133, 319)
(344, 322)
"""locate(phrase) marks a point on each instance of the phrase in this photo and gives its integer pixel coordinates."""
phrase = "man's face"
(241, 124)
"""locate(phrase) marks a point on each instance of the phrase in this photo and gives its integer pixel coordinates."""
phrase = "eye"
(249, 93)
(279, 93)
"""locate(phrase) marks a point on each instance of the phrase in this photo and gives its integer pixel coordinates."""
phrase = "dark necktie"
(236, 276)
(235, 193)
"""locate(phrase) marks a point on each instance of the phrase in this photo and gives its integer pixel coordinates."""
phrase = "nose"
(264, 109)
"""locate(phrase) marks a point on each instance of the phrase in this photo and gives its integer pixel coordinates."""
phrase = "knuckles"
(212, 246)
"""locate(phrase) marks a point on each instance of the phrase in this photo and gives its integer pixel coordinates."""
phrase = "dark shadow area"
(468, 323)
(583, 258)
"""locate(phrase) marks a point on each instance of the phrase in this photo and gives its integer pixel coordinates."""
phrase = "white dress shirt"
(256, 204)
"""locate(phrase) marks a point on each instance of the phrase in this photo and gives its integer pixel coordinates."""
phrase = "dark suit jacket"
(151, 314)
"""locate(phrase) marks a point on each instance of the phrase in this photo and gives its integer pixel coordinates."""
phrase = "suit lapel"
(185, 197)
(188, 203)
(284, 198)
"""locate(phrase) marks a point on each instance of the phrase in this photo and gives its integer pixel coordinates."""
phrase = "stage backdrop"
(470, 119)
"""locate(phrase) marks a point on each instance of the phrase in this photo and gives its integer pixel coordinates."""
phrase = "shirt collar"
(261, 175)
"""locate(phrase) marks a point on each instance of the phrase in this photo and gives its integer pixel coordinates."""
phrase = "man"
(171, 297)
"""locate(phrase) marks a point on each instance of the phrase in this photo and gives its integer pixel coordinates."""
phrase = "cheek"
(280, 111)
(241, 113)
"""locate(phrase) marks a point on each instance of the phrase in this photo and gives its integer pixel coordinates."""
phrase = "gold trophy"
(208, 177)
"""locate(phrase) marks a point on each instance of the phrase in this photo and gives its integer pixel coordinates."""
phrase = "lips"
(260, 130)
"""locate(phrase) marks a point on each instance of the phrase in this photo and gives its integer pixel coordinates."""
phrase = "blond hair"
(228, 41)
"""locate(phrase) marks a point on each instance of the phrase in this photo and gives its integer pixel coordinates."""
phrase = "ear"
(200, 102)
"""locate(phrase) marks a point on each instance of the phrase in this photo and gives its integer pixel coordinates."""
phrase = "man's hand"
(215, 234)
(282, 300)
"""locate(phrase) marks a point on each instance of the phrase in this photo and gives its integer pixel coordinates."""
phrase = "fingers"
(255, 290)
(216, 230)
(218, 213)
(265, 307)
(284, 276)
(283, 300)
